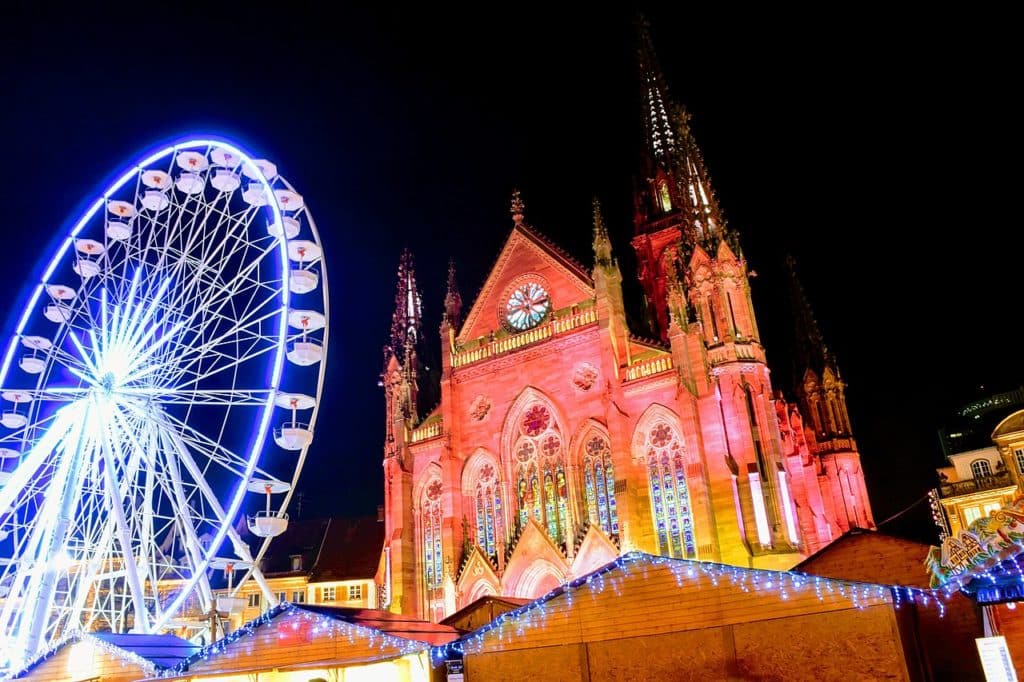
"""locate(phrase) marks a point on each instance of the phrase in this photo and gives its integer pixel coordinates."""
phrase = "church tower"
(399, 379)
(821, 393)
(697, 291)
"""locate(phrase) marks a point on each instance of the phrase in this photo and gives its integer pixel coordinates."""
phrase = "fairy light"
(124, 656)
(324, 625)
(516, 623)
(784, 584)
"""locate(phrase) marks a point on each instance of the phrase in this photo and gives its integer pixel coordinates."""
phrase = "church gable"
(595, 551)
(526, 258)
(477, 578)
(535, 565)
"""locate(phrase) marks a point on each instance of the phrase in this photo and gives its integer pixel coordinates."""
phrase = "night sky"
(877, 149)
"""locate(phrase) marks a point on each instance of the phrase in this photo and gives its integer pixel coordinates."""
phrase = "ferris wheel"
(169, 364)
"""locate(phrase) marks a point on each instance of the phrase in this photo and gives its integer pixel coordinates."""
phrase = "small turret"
(452, 299)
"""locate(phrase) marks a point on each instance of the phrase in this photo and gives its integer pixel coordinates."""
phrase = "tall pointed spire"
(707, 214)
(405, 321)
(659, 127)
(811, 351)
(676, 179)
(452, 299)
(602, 244)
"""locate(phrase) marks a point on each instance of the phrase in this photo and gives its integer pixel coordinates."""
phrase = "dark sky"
(875, 148)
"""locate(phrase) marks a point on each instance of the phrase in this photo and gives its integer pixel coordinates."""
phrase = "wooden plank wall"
(648, 600)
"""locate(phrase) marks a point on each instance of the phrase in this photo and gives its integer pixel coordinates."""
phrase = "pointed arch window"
(822, 421)
(732, 315)
(541, 489)
(487, 501)
(599, 485)
(433, 554)
(713, 317)
(670, 497)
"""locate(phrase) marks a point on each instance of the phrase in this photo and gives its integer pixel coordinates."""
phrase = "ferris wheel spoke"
(43, 448)
(185, 396)
(190, 357)
(185, 378)
(219, 251)
(222, 251)
(86, 580)
(212, 306)
(256, 316)
(213, 450)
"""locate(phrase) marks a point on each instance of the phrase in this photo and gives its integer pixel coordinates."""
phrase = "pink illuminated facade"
(562, 440)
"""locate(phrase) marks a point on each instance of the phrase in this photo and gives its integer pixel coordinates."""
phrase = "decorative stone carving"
(584, 376)
(480, 408)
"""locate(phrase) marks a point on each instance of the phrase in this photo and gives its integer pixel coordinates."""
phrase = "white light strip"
(764, 535)
(787, 508)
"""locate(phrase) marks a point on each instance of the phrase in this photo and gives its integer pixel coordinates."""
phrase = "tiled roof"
(303, 537)
(351, 550)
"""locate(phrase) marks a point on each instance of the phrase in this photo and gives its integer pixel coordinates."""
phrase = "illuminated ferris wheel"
(168, 365)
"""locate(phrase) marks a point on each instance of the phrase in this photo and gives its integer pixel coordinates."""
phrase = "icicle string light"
(321, 625)
(123, 655)
(517, 622)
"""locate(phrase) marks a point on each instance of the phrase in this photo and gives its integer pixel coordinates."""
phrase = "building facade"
(562, 440)
(328, 562)
(987, 477)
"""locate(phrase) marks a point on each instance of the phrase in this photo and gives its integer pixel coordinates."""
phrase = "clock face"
(527, 305)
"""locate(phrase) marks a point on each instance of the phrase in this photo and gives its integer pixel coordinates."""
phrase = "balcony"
(646, 368)
(975, 485)
(486, 347)
(431, 429)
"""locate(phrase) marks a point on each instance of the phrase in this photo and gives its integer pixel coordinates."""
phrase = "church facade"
(562, 440)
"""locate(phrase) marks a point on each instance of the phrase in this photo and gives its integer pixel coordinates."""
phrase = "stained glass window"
(541, 485)
(488, 509)
(433, 556)
(670, 497)
(527, 305)
(599, 485)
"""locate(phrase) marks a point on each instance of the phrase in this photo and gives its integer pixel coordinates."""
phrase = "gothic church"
(562, 440)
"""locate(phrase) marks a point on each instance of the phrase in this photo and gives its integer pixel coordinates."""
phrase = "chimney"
(380, 513)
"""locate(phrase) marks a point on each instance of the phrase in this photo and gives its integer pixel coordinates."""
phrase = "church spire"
(675, 180)
(811, 351)
(707, 217)
(452, 299)
(405, 321)
(659, 127)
